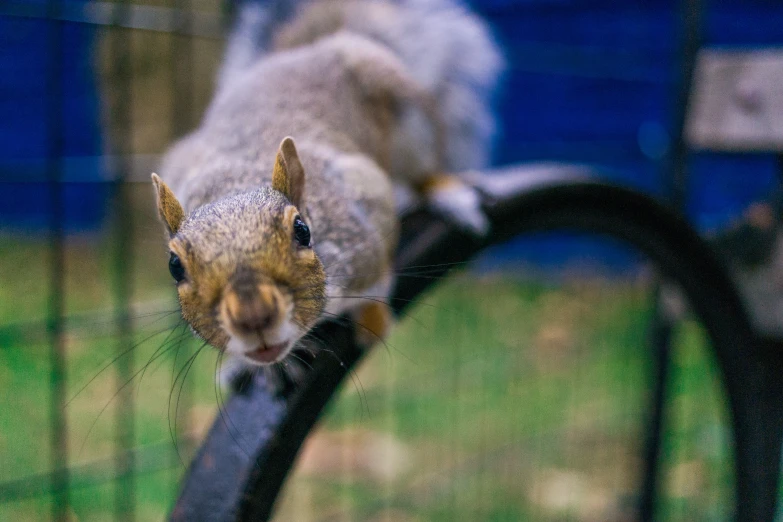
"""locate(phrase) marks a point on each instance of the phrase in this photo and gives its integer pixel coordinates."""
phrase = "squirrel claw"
(461, 204)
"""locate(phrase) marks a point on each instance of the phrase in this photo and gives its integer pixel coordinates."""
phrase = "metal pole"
(660, 337)
(122, 271)
(691, 20)
(181, 119)
(55, 323)
(676, 178)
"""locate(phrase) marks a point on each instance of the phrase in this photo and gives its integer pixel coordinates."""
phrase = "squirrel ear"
(169, 209)
(288, 176)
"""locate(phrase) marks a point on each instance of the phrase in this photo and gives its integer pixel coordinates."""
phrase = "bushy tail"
(252, 33)
(447, 49)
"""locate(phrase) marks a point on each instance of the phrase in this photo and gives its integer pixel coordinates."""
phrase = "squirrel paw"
(373, 322)
(233, 374)
(459, 202)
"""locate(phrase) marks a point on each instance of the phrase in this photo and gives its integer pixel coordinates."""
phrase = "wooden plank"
(737, 102)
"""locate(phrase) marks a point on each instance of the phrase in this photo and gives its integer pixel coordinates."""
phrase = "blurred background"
(518, 389)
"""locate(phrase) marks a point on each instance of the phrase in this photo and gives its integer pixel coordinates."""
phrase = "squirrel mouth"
(267, 353)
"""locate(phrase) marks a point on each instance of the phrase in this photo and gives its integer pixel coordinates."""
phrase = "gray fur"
(446, 49)
(251, 36)
(349, 94)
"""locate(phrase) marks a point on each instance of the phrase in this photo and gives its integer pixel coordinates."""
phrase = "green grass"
(92, 379)
(512, 400)
(495, 399)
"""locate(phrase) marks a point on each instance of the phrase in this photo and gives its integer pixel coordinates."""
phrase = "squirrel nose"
(253, 312)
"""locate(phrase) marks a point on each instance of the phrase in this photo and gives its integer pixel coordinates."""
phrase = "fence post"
(56, 323)
(122, 269)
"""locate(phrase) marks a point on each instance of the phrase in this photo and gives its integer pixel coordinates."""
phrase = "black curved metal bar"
(250, 449)
(675, 177)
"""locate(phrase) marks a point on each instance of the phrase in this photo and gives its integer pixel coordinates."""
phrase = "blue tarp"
(594, 81)
(590, 81)
(25, 119)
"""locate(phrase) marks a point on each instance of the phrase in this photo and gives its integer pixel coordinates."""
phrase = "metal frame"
(233, 486)
(231, 481)
(675, 179)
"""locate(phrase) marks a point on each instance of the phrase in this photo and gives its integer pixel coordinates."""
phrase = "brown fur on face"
(375, 93)
(251, 233)
(248, 308)
(247, 280)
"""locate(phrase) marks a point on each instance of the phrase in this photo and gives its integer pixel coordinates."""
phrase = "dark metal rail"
(243, 463)
(245, 486)
(675, 177)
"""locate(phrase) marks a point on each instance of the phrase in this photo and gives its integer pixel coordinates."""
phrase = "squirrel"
(280, 208)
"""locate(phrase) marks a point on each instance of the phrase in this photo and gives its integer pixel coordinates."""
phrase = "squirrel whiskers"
(280, 207)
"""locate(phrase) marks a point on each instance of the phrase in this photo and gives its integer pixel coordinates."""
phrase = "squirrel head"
(248, 279)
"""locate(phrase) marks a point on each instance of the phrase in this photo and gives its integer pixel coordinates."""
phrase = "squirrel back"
(374, 93)
(444, 47)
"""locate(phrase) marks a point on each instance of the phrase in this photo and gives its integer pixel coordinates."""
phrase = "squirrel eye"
(176, 268)
(301, 232)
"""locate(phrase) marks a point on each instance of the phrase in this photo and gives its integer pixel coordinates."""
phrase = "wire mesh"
(516, 398)
(129, 155)
(124, 33)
